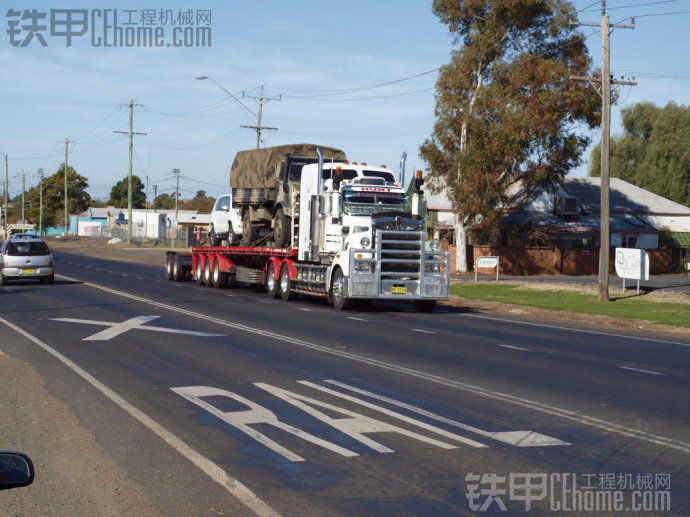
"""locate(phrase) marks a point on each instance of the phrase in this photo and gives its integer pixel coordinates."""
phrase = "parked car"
(226, 222)
(16, 470)
(26, 258)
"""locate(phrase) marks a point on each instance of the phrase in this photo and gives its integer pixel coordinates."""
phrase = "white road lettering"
(399, 416)
(515, 347)
(255, 415)
(133, 323)
(640, 370)
(517, 438)
(356, 426)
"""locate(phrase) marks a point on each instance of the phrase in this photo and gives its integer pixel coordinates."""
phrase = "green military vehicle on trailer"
(266, 184)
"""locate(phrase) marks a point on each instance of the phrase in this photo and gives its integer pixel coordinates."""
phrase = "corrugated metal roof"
(624, 197)
(581, 223)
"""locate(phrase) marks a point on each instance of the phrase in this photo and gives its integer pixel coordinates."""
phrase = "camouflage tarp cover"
(256, 168)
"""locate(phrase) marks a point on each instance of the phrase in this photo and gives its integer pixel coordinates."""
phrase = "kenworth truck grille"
(399, 267)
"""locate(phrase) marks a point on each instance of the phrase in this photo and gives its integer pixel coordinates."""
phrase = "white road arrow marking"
(133, 323)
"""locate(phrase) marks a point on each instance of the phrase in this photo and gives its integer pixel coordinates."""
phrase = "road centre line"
(639, 370)
(232, 485)
(574, 416)
(515, 347)
(356, 319)
(424, 331)
(573, 329)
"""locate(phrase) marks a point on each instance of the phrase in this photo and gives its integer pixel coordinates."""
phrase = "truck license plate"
(28, 271)
(399, 289)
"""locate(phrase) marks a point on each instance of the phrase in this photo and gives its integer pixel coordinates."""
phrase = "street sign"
(487, 262)
(632, 263)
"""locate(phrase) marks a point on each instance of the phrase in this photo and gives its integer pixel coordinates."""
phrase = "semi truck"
(350, 233)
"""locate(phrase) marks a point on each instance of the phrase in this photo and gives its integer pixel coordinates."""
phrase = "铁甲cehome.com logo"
(108, 28)
(609, 492)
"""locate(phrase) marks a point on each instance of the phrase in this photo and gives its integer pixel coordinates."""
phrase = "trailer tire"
(218, 279)
(286, 292)
(207, 273)
(271, 283)
(248, 231)
(339, 292)
(425, 305)
(178, 272)
(281, 228)
(169, 267)
(199, 272)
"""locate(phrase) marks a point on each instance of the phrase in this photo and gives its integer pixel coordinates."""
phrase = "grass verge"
(631, 307)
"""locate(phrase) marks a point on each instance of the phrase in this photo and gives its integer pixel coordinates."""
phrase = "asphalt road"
(298, 409)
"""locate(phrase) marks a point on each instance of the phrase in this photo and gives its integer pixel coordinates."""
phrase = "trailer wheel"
(199, 272)
(248, 231)
(286, 292)
(207, 273)
(169, 267)
(281, 228)
(178, 273)
(218, 280)
(271, 282)
(425, 305)
(338, 292)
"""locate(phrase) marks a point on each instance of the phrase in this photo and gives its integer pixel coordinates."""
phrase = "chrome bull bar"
(399, 267)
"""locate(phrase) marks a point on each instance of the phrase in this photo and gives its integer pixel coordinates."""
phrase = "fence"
(169, 237)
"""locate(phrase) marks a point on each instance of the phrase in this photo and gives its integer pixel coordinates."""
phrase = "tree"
(164, 201)
(200, 203)
(506, 109)
(119, 193)
(653, 152)
(54, 196)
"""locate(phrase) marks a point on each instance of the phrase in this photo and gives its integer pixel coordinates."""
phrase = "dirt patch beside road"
(73, 476)
(120, 252)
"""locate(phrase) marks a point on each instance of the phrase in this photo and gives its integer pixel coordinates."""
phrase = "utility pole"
(131, 134)
(604, 88)
(258, 127)
(7, 199)
(40, 203)
(146, 225)
(67, 142)
(23, 191)
(176, 172)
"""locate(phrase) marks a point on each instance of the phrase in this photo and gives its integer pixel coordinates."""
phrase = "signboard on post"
(633, 264)
(487, 262)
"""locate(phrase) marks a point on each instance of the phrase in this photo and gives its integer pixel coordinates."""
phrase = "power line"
(627, 6)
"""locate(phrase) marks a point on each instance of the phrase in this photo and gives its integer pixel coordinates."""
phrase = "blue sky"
(292, 47)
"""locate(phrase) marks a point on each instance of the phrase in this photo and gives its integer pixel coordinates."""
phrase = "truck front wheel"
(338, 292)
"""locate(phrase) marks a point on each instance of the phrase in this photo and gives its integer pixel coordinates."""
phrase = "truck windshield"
(365, 203)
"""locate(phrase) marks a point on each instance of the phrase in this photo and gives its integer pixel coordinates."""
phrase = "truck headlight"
(363, 267)
(434, 245)
(365, 242)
